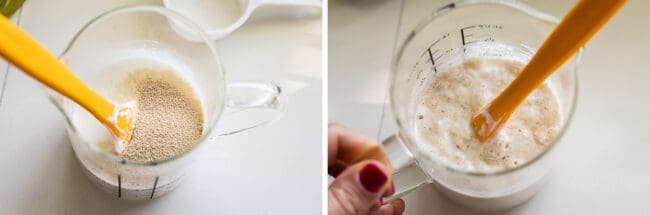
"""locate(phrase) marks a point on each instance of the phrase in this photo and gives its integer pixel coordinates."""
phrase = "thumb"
(357, 189)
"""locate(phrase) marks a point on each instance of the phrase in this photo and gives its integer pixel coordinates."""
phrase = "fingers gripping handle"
(407, 175)
(250, 105)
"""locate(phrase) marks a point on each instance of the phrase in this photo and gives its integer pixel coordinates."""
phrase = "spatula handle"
(575, 29)
(32, 58)
(579, 25)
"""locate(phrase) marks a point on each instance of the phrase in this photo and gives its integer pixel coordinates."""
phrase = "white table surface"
(603, 166)
(269, 170)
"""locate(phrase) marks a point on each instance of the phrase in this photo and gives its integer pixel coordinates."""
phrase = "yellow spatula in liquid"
(27, 54)
(577, 27)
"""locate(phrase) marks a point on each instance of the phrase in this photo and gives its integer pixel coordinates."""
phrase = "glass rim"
(171, 15)
(534, 13)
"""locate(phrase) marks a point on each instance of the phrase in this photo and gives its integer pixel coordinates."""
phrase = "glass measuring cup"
(220, 18)
(124, 40)
(455, 33)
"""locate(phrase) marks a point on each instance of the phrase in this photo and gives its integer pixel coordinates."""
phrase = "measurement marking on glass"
(434, 43)
(439, 56)
(433, 63)
(154, 187)
(431, 55)
(462, 34)
(119, 186)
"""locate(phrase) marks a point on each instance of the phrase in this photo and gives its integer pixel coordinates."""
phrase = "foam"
(447, 103)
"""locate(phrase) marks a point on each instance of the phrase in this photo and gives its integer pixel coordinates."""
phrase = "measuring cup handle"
(310, 3)
(250, 105)
(408, 174)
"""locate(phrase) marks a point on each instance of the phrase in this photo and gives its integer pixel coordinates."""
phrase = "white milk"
(210, 14)
(134, 181)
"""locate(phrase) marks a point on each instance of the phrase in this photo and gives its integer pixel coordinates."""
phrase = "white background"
(269, 170)
(604, 156)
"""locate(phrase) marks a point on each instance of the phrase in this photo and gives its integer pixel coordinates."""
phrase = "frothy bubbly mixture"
(446, 106)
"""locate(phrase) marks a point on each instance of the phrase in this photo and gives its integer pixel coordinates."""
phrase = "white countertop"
(604, 154)
(269, 170)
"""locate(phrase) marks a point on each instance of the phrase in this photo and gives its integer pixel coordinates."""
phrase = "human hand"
(360, 182)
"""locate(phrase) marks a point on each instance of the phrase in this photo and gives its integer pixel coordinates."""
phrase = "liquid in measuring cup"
(210, 14)
(448, 102)
(448, 99)
(168, 118)
(169, 122)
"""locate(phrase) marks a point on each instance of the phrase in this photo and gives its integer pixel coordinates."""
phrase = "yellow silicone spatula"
(25, 53)
(577, 27)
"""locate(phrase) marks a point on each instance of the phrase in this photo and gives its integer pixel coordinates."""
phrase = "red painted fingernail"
(381, 201)
(372, 177)
(392, 187)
